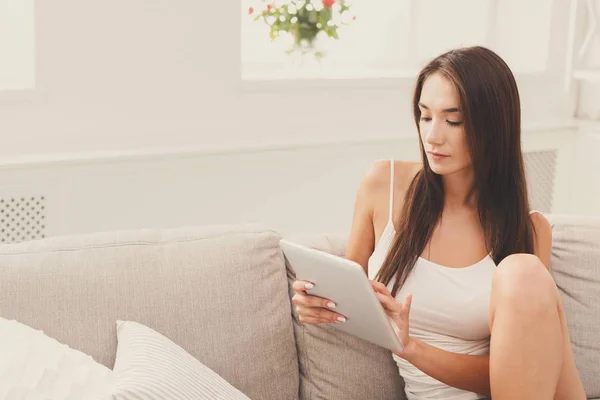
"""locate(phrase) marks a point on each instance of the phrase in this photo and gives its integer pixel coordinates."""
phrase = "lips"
(433, 153)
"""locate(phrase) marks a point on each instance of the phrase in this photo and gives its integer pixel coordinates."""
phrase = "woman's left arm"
(461, 371)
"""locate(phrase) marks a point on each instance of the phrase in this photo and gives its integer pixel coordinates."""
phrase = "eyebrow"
(448, 110)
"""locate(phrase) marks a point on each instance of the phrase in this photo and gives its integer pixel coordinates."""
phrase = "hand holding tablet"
(313, 309)
(345, 284)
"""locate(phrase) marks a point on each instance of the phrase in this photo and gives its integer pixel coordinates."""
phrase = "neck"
(456, 189)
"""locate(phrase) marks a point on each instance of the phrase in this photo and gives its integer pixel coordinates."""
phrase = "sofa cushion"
(334, 364)
(575, 266)
(219, 292)
(148, 365)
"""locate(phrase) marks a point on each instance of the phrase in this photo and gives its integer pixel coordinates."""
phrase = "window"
(392, 38)
(17, 45)
(364, 44)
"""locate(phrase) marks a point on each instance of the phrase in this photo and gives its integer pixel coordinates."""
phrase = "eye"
(453, 123)
(425, 119)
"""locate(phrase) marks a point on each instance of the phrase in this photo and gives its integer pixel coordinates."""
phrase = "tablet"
(344, 282)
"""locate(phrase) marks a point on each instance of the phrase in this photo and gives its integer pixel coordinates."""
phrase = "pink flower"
(251, 10)
(328, 3)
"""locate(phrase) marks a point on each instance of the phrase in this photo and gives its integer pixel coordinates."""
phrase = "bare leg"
(569, 384)
(530, 352)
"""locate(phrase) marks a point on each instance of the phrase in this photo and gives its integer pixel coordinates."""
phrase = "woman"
(456, 258)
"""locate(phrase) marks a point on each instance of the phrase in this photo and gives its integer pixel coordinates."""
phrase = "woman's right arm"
(361, 240)
(315, 310)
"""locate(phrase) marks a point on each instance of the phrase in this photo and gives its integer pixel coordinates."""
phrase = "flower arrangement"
(304, 20)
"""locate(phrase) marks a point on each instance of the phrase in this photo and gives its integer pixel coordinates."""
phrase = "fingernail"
(330, 305)
(341, 319)
(309, 285)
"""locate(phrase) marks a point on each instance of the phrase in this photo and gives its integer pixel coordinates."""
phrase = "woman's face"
(442, 128)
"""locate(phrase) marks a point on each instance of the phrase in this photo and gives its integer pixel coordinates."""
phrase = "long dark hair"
(489, 101)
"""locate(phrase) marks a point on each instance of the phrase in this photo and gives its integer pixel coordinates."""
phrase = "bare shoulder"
(371, 205)
(378, 174)
(376, 188)
(540, 223)
(542, 231)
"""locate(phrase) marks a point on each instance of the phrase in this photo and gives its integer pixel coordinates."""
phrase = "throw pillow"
(148, 365)
(35, 366)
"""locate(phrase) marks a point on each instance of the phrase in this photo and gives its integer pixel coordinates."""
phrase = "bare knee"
(522, 281)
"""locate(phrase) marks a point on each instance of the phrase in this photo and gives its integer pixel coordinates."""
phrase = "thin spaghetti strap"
(391, 189)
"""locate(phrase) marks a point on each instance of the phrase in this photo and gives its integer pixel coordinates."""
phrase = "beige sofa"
(222, 293)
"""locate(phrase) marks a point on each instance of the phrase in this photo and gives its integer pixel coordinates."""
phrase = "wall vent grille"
(22, 219)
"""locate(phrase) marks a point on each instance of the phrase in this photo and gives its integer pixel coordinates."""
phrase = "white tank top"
(450, 310)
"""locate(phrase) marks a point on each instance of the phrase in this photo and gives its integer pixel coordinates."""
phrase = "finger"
(407, 303)
(320, 314)
(302, 286)
(301, 299)
(380, 287)
(386, 300)
(314, 321)
(311, 320)
(392, 316)
(330, 316)
(313, 301)
(389, 303)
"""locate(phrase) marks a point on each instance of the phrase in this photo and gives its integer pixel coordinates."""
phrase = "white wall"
(294, 189)
(589, 90)
(114, 75)
(17, 44)
(586, 196)
(586, 176)
(118, 84)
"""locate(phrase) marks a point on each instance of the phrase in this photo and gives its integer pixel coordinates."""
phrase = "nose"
(434, 135)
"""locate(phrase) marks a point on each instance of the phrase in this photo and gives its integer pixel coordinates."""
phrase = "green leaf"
(332, 33)
(325, 17)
